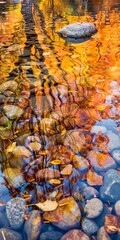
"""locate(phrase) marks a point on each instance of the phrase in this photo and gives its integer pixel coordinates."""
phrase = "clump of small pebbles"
(15, 210)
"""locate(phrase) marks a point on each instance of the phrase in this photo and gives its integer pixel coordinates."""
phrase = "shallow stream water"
(59, 104)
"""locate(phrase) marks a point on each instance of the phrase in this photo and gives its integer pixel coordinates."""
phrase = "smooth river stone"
(114, 141)
(75, 235)
(53, 235)
(98, 129)
(116, 155)
(102, 234)
(9, 234)
(78, 30)
(71, 215)
(32, 227)
(15, 210)
(93, 208)
(89, 226)
(110, 189)
(117, 208)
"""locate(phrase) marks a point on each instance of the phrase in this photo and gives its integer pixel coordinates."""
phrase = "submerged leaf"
(46, 206)
(67, 170)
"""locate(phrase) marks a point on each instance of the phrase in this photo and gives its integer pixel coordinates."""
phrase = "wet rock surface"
(75, 235)
(6, 233)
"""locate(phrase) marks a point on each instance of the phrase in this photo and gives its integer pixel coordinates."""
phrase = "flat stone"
(100, 161)
(71, 215)
(93, 208)
(11, 85)
(15, 210)
(32, 227)
(102, 234)
(9, 234)
(75, 235)
(109, 190)
(78, 30)
(116, 155)
(54, 235)
(117, 208)
(12, 111)
(89, 226)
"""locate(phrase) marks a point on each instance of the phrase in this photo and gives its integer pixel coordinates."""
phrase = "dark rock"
(15, 210)
(9, 234)
(32, 227)
(89, 226)
(78, 30)
(55, 235)
(75, 235)
(109, 190)
(89, 193)
(4, 223)
(93, 208)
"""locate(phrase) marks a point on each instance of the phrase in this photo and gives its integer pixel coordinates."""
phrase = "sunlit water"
(55, 91)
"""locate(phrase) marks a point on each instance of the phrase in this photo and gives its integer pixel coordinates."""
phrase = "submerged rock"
(93, 208)
(75, 235)
(102, 234)
(110, 189)
(6, 233)
(89, 226)
(77, 31)
(71, 215)
(33, 225)
(54, 235)
(15, 210)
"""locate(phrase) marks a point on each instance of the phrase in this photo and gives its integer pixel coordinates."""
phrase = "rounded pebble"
(93, 208)
(102, 234)
(32, 227)
(116, 155)
(89, 226)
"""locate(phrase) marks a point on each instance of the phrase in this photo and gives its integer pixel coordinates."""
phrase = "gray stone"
(116, 155)
(110, 189)
(78, 30)
(114, 141)
(15, 210)
(93, 208)
(89, 226)
(32, 227)
(55, 235)
(102, 234)
(117, 208)
(6, 233)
